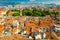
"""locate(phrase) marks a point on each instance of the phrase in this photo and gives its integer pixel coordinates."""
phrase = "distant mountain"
(52, 4)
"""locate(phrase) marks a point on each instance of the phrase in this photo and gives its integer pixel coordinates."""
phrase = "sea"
(15, 2)
(12, 2)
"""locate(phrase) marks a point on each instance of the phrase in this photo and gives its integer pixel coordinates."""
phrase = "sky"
(43, 1)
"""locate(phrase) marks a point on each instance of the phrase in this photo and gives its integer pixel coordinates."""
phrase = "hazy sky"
(44, 1)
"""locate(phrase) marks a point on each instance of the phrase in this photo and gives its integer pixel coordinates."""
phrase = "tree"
(36, 12)
(26, 12)
(43, 13)
(15, 12)
(7, 12)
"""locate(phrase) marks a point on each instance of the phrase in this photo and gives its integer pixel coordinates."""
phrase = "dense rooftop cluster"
(29, 23)
(24, 25)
